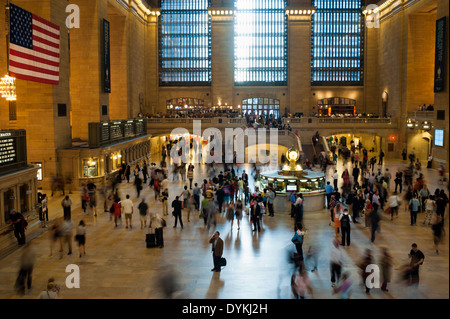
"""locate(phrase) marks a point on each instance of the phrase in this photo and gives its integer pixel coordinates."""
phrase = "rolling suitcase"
(150, 239)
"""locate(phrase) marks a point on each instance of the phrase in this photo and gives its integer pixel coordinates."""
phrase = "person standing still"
(66, 204)
(197, 192)
(44, 204)
(143, 210)
(217, 250)
(417, 258)
(165, 201)
(270, 199)
(18, 222)
(156, 223)
(176, 205)
(414, 205)
(345, 219)
(127, 209)
(335, 179)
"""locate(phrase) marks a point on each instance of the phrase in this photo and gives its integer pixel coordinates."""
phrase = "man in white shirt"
(394, 202)
(127, 209)
(335, 179)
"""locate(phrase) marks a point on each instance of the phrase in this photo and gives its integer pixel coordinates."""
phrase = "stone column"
(222, 47)
(441, 154)
(299, 61)
(86, 80)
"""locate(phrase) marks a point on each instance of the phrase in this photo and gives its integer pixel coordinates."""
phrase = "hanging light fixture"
(8, 88)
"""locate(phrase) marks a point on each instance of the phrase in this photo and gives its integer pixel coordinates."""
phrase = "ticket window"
(90, 167)
(9, 202)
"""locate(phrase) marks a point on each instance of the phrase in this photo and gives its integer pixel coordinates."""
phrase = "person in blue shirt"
(293, 198)
(328, 190)
(414, 205)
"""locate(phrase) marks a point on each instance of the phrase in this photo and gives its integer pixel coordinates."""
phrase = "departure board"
(8, 153)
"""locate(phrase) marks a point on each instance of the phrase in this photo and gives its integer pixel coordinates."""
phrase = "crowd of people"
(360, 195)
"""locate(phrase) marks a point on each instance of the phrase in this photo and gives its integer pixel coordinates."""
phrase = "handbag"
(163, 222)
(222, 262)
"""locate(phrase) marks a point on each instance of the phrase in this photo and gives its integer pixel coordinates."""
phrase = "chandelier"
(8, 88)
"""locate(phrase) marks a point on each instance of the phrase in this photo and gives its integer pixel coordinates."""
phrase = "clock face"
(293, 155)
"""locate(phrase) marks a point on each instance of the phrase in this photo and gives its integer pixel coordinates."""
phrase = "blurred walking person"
(117, 207)
(336, 261)
(344, 289)
(56, 236)
(66, 204)
(230, 212)
(27, 261)
(301, 284)
(430, 206)
(238, 212)
(386, 268)
(365, 262)
(67, 232)
(438, 232)
(80, 237)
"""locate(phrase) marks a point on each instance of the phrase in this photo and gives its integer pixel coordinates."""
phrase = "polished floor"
(118, 265)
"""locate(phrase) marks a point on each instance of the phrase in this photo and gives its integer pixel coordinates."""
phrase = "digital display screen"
(291, 188)
(439, 137)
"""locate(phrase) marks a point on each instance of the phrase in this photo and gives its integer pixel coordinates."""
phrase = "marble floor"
(118, 264)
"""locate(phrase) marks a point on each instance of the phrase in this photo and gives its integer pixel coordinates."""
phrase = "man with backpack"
(345, 219)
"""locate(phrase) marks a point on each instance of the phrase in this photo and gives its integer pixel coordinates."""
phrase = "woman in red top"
(117, 210)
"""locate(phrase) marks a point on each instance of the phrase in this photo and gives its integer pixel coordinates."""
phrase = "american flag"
(33, 47)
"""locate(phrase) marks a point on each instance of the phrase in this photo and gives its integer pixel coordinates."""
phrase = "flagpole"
(7, 30)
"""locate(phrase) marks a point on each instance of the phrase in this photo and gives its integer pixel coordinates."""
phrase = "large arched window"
(184, 43)
(261, 106)
(337, 43)
(260, 42)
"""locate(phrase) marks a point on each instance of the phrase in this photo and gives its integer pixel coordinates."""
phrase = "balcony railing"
(422, 115)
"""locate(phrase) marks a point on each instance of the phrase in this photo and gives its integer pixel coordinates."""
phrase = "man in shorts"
(143, 209)
(127, 209)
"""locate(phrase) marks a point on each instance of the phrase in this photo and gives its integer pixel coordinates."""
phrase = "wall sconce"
(426, 125)
(410, 123)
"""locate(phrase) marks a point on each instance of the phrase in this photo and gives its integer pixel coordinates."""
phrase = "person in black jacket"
(345, 219)
(256, 216)
(19, 224)
(176, 205)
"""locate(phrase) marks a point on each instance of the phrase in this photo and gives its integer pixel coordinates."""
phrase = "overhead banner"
(439, 72)
(106, 57)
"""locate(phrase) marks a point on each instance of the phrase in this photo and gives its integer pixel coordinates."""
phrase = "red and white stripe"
(42, 63)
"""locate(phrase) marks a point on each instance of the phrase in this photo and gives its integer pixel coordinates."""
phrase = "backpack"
(297, 239)
(345, 221)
